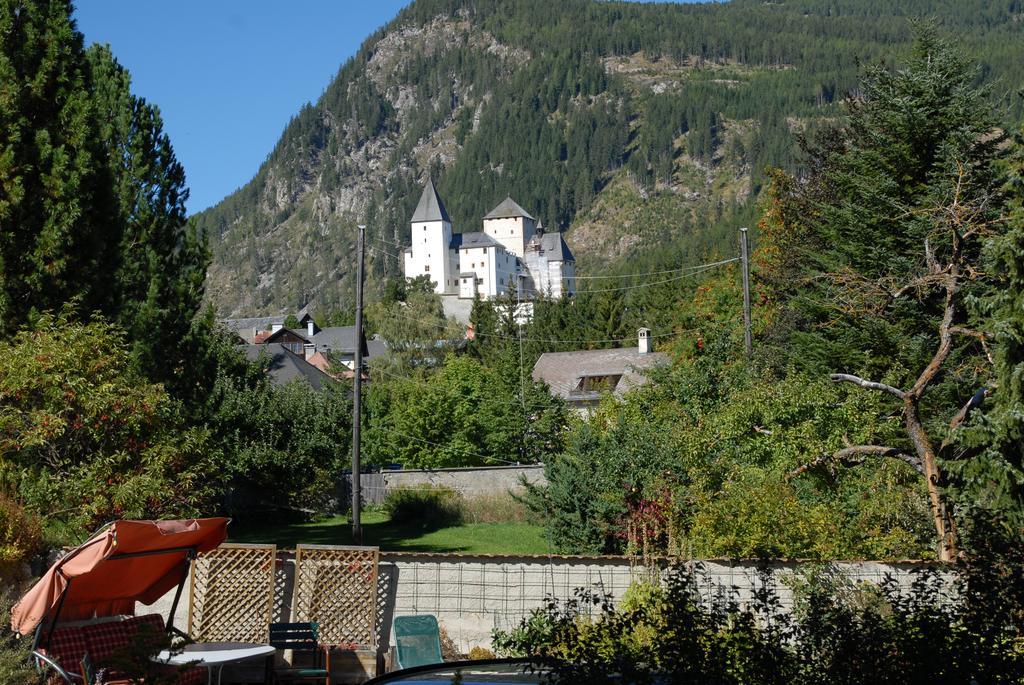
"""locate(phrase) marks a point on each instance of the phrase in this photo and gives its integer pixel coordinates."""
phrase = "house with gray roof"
(284, 366)
(335, 342)
(583, 377)
(511, 248)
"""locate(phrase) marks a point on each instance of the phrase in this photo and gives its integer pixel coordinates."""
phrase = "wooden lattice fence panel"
(232, 594)
(336, 586)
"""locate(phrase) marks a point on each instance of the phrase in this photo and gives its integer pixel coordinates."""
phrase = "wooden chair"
(417, 641)
(301, 638)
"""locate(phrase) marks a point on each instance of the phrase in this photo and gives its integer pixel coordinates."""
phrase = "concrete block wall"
(473, 594)
(469, 481)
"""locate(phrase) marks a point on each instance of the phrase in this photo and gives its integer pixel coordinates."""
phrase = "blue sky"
(226, 74)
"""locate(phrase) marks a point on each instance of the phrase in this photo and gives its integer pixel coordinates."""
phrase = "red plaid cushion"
(104, 639)
(151, 622)
(67, 647)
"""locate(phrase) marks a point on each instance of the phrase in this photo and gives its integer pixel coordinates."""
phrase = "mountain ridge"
(592, 116)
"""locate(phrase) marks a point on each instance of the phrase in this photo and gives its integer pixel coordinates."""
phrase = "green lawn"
(471, 538)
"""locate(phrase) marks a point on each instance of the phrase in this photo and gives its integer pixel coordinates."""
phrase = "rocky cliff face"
(288, 239)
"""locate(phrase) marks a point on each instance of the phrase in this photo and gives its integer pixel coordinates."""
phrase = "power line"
(691, 271)
(658, 273)
(701, 269)
(389, 243)
(377, 250)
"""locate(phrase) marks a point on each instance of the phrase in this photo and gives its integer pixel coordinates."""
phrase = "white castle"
(511, 248)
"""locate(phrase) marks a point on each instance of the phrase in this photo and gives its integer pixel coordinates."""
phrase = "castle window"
(426, 267)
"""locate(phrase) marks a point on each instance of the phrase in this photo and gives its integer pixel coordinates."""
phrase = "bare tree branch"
(855, 455)
(929, 257)
(919, 284)
(980, 336)
(870, 385)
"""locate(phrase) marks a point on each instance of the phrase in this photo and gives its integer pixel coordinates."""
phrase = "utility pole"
(357, 384)
(748, 344)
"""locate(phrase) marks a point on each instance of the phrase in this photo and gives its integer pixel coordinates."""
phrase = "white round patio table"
(215, 655)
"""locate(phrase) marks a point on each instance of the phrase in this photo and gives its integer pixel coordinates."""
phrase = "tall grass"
(442, 506)
(494, 508)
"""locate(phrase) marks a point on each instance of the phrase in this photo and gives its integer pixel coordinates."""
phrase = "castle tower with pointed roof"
(429, 253)
(510, 225)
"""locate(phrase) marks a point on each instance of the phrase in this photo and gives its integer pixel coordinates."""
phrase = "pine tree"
(158, 284)
(892, 227)
(92, 198)
(55, 212)
(993, 478)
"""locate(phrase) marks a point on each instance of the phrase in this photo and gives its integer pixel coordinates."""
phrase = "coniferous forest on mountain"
(876, 158)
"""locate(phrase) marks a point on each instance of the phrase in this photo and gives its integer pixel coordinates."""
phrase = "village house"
(311, 345)
(582, 377)
(512, 248)
(284, 366)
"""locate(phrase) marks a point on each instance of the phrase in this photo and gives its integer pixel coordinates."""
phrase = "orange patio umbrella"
(124, 563)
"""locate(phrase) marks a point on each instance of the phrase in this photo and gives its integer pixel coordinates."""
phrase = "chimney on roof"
(643, 341)
(309, 328)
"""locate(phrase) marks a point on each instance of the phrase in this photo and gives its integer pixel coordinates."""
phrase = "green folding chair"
(417, 641)
(301, 638)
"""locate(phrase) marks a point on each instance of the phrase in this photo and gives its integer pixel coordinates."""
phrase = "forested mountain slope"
(642, 130)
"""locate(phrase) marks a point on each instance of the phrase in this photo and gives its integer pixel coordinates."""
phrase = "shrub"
(21, 537)
(15, 668)
(434, 506)
(963, 624)
(449, 652)
(85, 439)
(478, 653)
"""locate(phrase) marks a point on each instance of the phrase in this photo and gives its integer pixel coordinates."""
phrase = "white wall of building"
(506, 268)
(549, 278)
(430, 255)
(562, 278)
(512, 232)
(492, 265)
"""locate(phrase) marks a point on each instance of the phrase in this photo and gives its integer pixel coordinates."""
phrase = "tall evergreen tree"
(885, 248)
(158, 282)
(56, 241)
(994, 478)
(92, 198)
